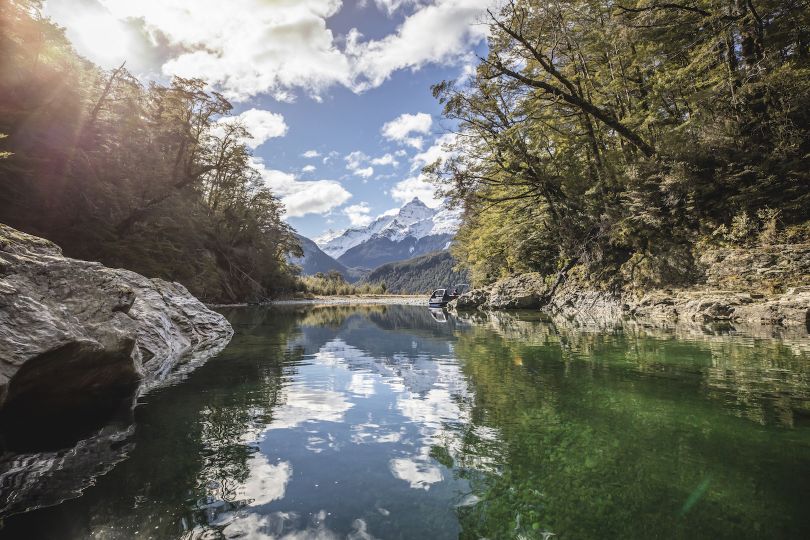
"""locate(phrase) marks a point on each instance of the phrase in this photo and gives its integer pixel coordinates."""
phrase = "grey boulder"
(75, 333)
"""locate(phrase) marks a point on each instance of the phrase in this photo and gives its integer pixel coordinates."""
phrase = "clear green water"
(382, 422)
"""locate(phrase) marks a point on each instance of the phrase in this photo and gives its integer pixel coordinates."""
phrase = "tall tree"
(619, 135)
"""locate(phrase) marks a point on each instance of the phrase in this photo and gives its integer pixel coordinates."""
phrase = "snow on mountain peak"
(328, 236)
(415, 219)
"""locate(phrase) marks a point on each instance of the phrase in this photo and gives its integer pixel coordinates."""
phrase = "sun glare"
(102, 38)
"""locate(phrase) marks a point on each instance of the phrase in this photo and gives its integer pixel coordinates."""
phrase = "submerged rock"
(76, 336)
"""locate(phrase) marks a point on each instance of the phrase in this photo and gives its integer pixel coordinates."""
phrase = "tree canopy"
(145, 177)
(621, 135)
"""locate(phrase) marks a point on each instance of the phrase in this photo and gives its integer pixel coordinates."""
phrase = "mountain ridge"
(414, 219)
(315, 260)
(420, 274)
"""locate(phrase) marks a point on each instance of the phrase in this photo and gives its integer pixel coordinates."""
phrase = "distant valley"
(397, 248)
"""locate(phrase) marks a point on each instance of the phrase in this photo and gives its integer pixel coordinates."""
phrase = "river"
(393, 421)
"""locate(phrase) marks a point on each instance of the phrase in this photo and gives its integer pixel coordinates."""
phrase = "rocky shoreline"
(76, 336)
(757, 286)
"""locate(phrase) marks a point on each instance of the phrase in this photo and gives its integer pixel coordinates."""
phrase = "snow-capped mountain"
(413, 223)
(314, 260)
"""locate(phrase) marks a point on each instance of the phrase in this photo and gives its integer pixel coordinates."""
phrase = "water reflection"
(400, 422)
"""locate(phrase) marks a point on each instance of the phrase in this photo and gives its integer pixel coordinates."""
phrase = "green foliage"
(766, 228)
(622, 136)
(333, 284)
(142, 177)
(419, 275)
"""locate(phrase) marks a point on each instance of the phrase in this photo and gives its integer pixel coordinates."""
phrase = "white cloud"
(362, 383)
(403, 128)
(419, 474)
(415, 186)
(266, 482)
(303, 197)
(355, 160)
(387, 159)
(308, 168)
(358, 214)
(367, 172)
(268, 47)
(391, 6)
(262, 125)
(442, 32)
(304, 405)
(310, 154)
(251, 47)
(264, 525)
(330, 156)
(437, 151)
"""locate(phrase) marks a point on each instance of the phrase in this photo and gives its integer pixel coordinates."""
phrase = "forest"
(618, 139)
(141, 176)
(611, 140)
(419, 275)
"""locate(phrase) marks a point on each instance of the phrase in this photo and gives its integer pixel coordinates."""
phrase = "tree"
(149, 178)
(618, 136)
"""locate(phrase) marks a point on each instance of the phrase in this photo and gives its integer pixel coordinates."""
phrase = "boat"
(441, 297)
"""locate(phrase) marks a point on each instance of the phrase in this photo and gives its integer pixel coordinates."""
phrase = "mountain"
(414, 229)
(381, 250)
(419, 274)
(315, 260)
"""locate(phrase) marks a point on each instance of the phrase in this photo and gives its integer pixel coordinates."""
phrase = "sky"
(336, 93)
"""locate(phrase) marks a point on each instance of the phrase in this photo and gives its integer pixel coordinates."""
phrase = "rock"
(524, 291)
(470, 300)
(753, 285)
(574, 302)
(789, 309)
(756, 267)
(75, 336)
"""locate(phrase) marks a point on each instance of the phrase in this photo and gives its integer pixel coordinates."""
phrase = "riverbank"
(757, 285)
(395, 299)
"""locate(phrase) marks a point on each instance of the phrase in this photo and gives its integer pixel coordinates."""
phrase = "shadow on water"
(402, 422)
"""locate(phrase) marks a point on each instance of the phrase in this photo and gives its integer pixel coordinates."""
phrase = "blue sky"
(348, 81)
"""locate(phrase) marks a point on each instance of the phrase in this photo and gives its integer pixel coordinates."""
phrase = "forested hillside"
(619, 139)
(143, 177)
(419, 274)
(380, 250)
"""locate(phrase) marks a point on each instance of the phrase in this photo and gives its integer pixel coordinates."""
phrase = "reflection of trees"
(411, 319)
(335, 315)
(609, 433)
(579, 431)
(749, 370)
